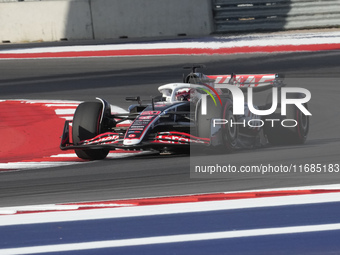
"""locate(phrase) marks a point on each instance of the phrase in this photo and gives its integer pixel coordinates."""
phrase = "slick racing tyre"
(229, 132)
(277, 134)
(86, 125)
(203, 122)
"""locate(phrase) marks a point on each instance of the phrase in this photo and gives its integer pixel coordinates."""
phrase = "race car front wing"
(111, 140)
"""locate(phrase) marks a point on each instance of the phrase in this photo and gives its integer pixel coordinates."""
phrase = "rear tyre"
(280, 135)
(86, 125)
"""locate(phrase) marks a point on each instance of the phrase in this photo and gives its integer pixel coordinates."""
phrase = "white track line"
(46, 164)
(170, 239)
(65, 111)
(150, 210)
(220, 42)
(34, 165)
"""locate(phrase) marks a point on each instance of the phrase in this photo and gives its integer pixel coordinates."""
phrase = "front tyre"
(203, 122)
(86, 125)
(230, 132)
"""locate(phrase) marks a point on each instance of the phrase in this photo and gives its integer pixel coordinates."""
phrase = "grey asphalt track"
(115, 78)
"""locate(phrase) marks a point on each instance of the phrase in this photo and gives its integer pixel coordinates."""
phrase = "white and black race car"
(199, 111)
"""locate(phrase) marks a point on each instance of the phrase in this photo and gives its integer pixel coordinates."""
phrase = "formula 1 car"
(199, 111)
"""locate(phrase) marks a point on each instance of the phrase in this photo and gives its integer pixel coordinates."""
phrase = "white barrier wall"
(102, 19)
(262, 15)
(151, 18)
(45, 21)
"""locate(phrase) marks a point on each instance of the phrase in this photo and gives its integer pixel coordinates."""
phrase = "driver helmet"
(183, 94)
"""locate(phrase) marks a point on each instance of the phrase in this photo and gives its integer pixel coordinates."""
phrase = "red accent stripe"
(123, 125)
(187, 199)
(224, 78)
(184, 134)
(212, 197)
(177, 51)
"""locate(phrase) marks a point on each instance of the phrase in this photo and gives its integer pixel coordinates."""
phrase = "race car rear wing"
(247, 80)
(239, 80)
